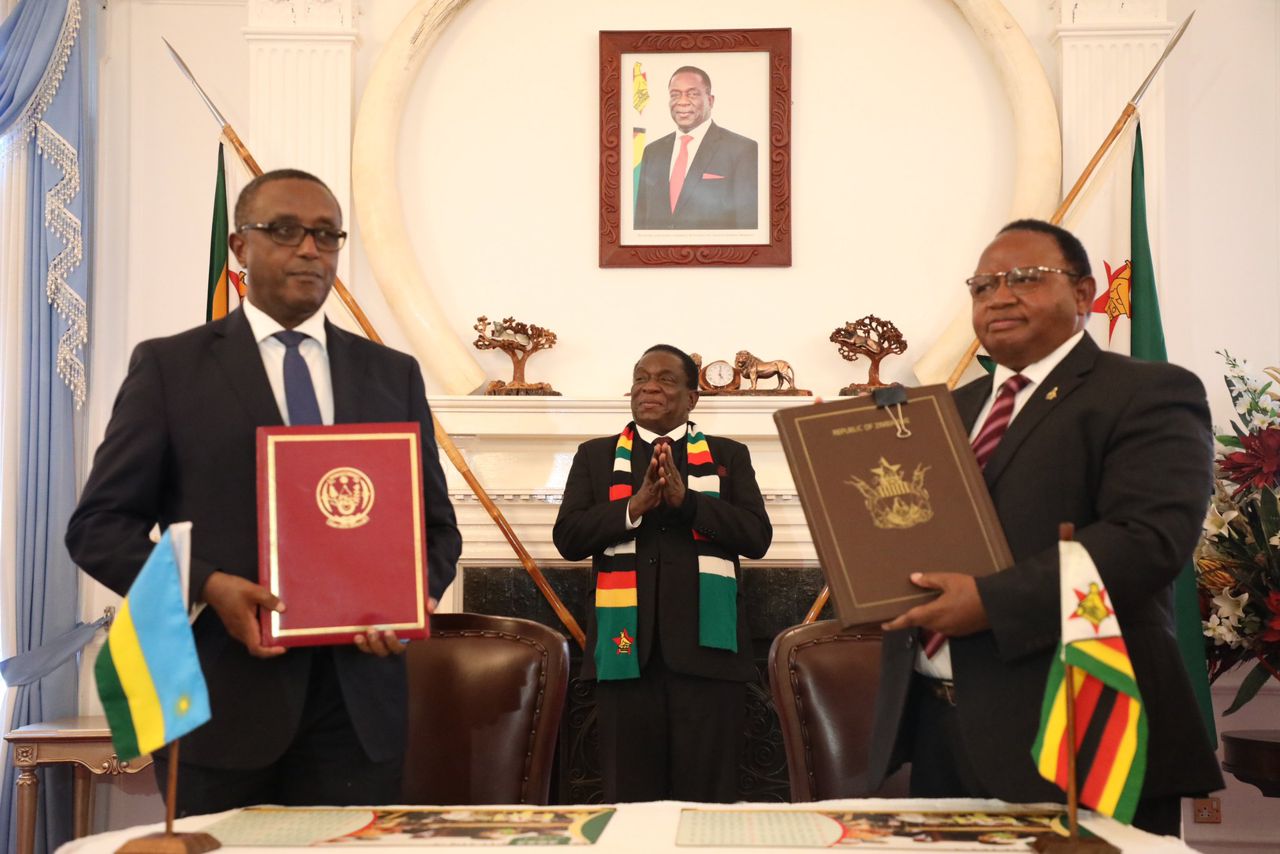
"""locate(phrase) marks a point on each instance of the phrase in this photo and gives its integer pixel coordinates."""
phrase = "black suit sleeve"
(738, 522)
(444, 542)
(108, 535)
(1153, 484)
(586, 525)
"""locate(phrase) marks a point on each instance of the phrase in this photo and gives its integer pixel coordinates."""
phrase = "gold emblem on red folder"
(345, 497)
(893, 501)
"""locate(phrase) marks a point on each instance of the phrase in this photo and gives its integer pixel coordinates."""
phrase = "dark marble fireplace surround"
(777, 597)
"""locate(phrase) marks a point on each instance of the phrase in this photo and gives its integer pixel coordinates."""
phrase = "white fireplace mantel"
(521, 448)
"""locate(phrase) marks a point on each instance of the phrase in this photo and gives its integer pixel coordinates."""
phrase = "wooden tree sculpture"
(519, 341)
(873, 338)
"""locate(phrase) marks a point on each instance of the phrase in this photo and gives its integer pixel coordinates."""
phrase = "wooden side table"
(86, 743)
(1253, 757)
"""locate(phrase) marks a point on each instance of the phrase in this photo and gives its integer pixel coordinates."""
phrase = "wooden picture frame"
(720, 218)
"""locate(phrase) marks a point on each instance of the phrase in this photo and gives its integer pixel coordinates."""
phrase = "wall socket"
(1206, 810)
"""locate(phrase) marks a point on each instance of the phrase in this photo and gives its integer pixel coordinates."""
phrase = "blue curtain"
(47, 105)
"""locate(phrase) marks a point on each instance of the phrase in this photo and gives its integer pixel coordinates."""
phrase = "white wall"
(901, 171)
(1221, 270)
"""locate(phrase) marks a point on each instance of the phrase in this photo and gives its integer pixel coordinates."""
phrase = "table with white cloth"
(652, 827)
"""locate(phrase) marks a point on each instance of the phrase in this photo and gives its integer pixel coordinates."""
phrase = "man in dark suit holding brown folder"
(1065, 432)
(664, 512)
(314, 725)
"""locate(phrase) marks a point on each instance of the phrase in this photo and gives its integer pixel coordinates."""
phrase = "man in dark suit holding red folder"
(317, 725)
(1118, 447)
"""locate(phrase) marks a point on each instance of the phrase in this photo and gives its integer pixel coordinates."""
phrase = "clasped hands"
(236, 601)
(662, 484)
(957, 612)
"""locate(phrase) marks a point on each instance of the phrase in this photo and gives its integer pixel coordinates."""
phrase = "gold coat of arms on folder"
(887, 491)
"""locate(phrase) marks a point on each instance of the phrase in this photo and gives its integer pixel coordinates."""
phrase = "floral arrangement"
(1238, 562)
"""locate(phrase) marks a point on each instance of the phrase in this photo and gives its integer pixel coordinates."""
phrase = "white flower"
(1223, 633)
(1215, 522)
(1230, 608)
(1259, 420)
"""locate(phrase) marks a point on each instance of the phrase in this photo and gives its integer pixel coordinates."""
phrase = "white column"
(301, 70)
(1106, 49)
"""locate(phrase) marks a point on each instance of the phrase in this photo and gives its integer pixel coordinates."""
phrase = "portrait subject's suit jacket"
(1122, 449)
(720, 188)
(666, 560)
(180, 446)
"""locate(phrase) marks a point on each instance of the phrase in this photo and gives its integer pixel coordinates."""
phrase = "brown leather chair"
(824, 682)
(485, 698)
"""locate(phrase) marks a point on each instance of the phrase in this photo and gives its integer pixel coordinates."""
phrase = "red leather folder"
(341, 538)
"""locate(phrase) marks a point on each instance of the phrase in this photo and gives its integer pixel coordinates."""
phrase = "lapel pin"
(1053, 394)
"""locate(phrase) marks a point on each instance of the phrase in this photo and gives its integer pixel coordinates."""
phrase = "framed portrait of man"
(695, 148)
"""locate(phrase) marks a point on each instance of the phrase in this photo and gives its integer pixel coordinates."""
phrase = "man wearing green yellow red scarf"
(664, 512)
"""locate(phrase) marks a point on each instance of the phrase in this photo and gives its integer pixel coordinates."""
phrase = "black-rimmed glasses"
(1019, 279)
(292, 234)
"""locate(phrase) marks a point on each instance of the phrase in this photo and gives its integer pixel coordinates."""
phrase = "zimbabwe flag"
(221, 278)
(1110, 723)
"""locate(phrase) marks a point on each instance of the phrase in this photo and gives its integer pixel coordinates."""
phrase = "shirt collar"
(695, 132)
(1037, 371)
(675, 435)
(264, 325)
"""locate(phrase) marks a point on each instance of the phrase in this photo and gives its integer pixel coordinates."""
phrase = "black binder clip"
(890, 399)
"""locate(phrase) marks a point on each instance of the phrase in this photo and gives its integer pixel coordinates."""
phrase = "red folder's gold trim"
(414, 462)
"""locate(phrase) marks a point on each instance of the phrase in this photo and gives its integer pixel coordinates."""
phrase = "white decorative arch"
(380, 209)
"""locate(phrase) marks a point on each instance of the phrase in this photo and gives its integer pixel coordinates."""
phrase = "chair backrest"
(485, 698)
(824, 682)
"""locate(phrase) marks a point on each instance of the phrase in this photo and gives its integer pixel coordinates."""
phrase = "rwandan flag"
(1110, 723)
(148, 675)
(221, 278)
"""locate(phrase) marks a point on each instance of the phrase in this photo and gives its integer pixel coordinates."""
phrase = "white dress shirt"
(314, 350)
(939, 667)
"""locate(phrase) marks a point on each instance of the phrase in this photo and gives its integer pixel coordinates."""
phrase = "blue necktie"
(299, 393)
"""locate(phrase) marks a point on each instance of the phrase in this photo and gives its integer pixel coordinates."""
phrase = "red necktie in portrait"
(678, 171)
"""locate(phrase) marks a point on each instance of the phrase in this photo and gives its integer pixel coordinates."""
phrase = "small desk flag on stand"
(1093, 729)
(148, 675)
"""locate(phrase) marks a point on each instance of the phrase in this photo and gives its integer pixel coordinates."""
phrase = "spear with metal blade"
(1058, 215)
(442, 438)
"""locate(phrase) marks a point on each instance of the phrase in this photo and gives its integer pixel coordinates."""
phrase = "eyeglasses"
(1019, 279)
(292, 234)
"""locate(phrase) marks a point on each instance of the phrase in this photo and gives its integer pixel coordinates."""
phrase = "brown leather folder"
(888, 491)
(341, 536)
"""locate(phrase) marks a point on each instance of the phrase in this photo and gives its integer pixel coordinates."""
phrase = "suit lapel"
(1064, 379)
(345, 369)
(237, 354)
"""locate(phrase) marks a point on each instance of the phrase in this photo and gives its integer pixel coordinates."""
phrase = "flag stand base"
(170, 843)
(1072, 845)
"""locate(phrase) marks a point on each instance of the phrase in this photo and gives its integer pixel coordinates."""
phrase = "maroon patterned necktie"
(984, 444)
(998, 419)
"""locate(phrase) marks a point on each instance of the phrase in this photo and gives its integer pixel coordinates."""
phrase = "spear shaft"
(442, 438)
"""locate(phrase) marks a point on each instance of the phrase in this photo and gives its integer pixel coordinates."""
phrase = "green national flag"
(222, 279)
(1146, 341)
(1111, 219)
